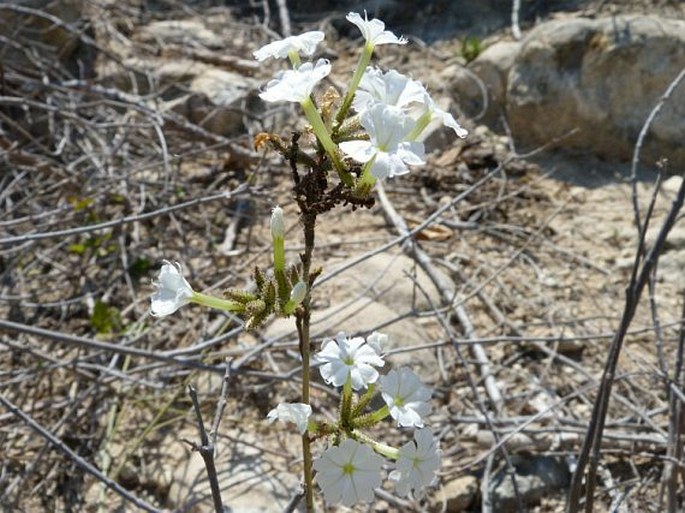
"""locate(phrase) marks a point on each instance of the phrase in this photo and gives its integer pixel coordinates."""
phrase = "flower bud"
(277, 223)
(298, 293)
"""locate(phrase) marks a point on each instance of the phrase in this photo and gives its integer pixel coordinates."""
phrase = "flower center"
(348, 468)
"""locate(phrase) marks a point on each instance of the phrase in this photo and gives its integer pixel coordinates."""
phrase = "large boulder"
(602, 77)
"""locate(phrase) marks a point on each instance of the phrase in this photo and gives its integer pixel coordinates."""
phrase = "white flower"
(406, 397)
(295, 85)
(387, 128)
(443, 117)
(417, 464)
(173, 291)
(378, 341)
(304, 43)
(390, 88)
(351, 359)
(374, 31)
(297, 413)
(348, 473)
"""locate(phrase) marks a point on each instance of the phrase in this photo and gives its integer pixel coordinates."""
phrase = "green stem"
(279, 270)
(279, 254)
(346, 403)
(378, 415)
(215, 302)
(364, 401)
(380, 448)
(364, 60)
(324, 137)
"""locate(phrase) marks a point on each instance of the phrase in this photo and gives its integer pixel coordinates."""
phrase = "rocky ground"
(147, 115)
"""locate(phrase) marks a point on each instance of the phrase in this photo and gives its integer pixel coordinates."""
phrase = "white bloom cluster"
(348, 472)
(390, 113)
(393, 109)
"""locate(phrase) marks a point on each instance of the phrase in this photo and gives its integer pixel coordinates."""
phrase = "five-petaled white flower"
(295, 85)
(406, 397)
(391, 88)
(173, 291)
(417, 464)
(305, 44)
(297, 413)
(374, 31)
(348, 473)
(388, 128)
(351, 359)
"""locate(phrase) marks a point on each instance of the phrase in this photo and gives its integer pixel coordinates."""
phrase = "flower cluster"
(391, 110)
(349, 471)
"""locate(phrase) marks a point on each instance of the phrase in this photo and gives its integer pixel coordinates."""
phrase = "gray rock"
(249, 482)
(480, 88)
(459, 494)
(536, 477)
(218, 101)
(602, 77)
(189, 33)
(366, 297)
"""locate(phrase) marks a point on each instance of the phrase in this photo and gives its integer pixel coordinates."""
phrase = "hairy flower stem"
(380, 448)
(215, 302)
(303, 317)
(364, 61)
(324, 138)
(346, 403)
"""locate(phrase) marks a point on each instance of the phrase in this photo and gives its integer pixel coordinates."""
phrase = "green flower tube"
(324, 137)
(364, 60)
(215, 302)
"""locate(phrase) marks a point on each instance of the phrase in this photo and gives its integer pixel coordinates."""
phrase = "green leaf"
(105, 318)
(140, 267)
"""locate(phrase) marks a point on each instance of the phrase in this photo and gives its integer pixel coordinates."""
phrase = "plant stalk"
(303, 317)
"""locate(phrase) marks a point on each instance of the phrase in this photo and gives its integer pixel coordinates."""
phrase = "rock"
(207, 96)
(480, 88)
(536, 477)
(250, 483)
(364, 297)
(218, 100)
(602, 77)
(189, 33)
(459, 494)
